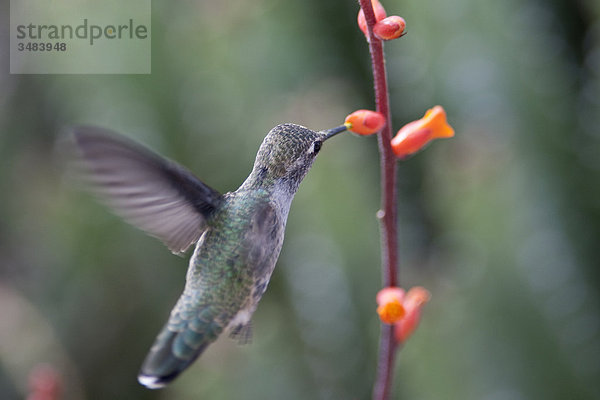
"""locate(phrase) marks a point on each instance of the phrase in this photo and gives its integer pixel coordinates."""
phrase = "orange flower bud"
(414, 301)
(413, 136)
(390, 308)
(379, 15)
(365, 122)
(390, 28)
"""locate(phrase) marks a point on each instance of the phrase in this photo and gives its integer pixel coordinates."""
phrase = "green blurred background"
(500, 223)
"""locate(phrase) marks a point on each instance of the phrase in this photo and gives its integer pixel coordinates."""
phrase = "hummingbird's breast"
(235, 257)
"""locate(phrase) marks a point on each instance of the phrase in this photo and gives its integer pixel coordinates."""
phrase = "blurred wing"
(152, 193)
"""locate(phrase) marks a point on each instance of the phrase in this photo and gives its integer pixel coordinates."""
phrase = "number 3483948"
(44, 46)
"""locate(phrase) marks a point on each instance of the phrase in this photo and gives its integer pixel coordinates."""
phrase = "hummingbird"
(237, 235)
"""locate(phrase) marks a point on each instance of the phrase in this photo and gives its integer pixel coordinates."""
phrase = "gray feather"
(152, 193)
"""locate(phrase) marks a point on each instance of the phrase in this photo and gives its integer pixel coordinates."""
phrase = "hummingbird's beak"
(333, 131)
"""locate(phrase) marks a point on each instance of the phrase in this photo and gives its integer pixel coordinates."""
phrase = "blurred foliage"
(501, 223)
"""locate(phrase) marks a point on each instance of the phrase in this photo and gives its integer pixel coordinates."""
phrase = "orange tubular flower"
(390, 308)
(365, 122)
(415, 135)
(403, 310)
(414, 301)
(379, 15)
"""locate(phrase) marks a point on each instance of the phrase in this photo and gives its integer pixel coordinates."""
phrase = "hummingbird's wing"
(150, 192)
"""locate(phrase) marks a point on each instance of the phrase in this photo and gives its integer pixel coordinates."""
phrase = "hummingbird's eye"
(316, 147)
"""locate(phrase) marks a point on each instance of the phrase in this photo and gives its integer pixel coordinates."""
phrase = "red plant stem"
(388, 213)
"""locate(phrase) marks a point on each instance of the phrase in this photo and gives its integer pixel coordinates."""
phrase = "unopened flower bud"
(390, 28)
(365, 122)
(379, 15)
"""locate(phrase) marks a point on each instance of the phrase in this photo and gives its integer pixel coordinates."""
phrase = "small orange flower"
(402, 310)
(413, 136)
(390, 308)
(379, 15)
(390, 28)
(414, 301)
(365, 122)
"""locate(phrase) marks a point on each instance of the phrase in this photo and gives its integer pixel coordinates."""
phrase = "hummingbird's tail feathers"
(152, 193)
(173, 351)
(162, 365)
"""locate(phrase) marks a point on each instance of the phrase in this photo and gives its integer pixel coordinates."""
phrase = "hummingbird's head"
(287, 153)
